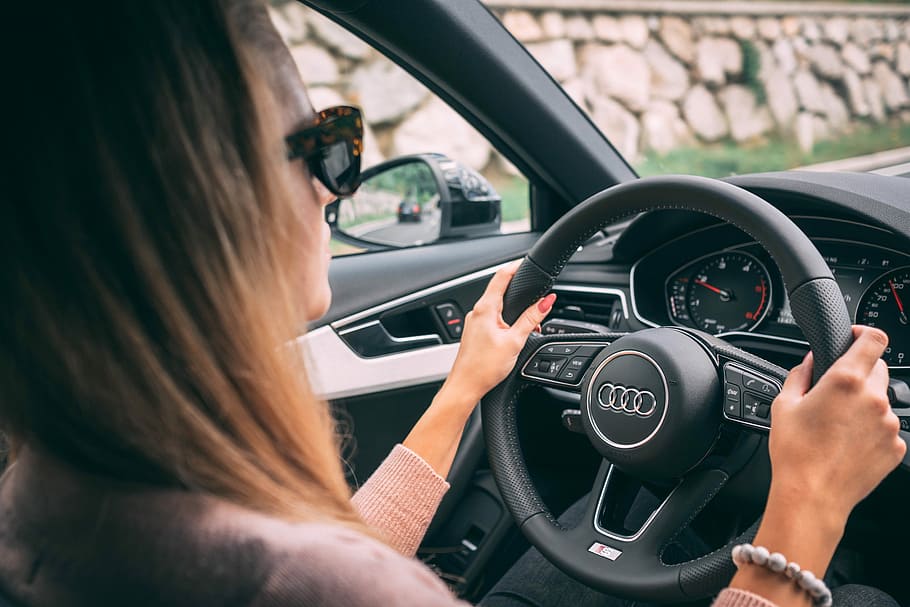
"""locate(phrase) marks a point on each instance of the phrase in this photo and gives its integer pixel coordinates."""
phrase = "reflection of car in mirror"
(408, 211)
(415, 200)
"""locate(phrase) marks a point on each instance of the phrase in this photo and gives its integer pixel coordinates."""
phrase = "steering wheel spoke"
(654, 521)
(680, 507)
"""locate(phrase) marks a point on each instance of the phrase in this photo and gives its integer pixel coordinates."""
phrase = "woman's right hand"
(831, 445)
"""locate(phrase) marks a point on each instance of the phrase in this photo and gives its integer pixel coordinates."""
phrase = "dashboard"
(681, 268)
(716, 281)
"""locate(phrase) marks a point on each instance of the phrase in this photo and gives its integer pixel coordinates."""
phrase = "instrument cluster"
(737, 289)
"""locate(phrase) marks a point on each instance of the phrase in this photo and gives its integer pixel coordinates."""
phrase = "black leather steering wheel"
(654, 402)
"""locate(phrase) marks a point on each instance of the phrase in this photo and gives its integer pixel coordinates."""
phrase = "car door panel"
(336, 371)
(360, 283)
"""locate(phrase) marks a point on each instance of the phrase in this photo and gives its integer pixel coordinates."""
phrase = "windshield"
(716, 88)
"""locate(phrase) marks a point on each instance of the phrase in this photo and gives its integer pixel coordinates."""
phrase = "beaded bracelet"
(743, 554)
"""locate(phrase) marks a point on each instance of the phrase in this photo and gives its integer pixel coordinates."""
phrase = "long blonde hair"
(147, 247)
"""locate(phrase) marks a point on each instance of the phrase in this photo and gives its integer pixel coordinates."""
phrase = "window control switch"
(452, 318)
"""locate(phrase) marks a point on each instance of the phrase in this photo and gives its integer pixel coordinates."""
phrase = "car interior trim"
(335, 371)
(638, 316)
(406, 299)
(394, 339)
(575, 288)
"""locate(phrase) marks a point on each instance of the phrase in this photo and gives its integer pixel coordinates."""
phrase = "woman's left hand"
(489, 350)
(490, 347)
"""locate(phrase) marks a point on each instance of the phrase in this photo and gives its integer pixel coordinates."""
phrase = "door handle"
(372, 339)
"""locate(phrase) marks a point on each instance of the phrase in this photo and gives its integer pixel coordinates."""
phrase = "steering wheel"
(654, 402)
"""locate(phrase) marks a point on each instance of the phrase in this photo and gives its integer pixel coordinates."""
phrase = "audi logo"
(614, 397)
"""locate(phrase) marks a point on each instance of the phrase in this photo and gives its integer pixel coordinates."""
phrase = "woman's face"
(311, 197)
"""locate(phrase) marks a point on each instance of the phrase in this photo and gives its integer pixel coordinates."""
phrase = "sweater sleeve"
(400, 499)
(733, 597)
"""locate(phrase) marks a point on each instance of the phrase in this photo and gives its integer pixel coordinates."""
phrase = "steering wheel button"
(556, 366)
(588, 351)
(543, 366)
(733, 409)
(905, 423)
(578, 363)
(756, 384)
(570, 375)
(732, 392)
(559, 349)
(756, 407)
(733, 375)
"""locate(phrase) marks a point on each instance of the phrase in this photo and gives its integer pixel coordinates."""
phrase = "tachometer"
(886, 305)
(728, 292)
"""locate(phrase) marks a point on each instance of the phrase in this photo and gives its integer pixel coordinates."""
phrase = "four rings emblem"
(616, 397)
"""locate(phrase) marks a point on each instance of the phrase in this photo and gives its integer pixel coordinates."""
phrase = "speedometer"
(885, 305)
(729, 291)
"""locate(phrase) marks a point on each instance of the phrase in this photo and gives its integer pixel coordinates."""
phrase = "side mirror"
(416, 200)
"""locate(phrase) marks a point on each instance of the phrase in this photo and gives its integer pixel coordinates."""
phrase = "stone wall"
(652, 81)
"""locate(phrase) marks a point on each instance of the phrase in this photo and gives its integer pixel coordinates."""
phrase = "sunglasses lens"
(339, 163)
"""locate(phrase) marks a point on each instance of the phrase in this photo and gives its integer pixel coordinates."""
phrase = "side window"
(453, 183)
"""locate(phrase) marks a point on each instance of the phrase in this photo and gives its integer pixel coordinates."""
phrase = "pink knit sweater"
(401, 497)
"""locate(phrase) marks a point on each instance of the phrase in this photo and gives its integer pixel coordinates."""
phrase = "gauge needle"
(724, 294)
(897, 300)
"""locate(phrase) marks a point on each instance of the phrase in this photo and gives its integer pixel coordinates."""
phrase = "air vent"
(600, 308)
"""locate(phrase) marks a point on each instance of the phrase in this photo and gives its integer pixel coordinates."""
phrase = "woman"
(158, 247)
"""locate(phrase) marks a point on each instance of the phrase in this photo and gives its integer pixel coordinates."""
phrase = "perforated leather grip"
(819, 309)
(704, 576)
(529, 284)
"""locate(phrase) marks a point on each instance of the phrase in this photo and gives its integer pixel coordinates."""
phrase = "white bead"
(817, 589)
(805, 579)
(826, 601)
(792, 571)
(777, 562)
(760, 556)
(746, 552)
(737, 555)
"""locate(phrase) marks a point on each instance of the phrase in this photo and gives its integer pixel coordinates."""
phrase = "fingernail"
(545, 304)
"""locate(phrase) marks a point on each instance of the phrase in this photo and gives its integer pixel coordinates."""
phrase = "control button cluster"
(562, 363)
(452, 319)
(748, 395)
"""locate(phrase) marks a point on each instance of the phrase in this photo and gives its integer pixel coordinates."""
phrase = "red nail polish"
(546, 303)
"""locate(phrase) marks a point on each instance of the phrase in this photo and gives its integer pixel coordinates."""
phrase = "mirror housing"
(414, 200)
